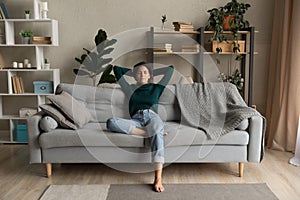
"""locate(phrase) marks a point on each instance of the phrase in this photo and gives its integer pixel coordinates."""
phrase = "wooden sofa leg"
(49, 169)
(241, 169)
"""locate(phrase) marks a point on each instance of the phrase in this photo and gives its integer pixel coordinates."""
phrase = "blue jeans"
(147, 120)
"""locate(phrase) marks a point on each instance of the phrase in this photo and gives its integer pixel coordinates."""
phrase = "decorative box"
(43, 87)
(227, 46)
(27, 112)
(20, 133)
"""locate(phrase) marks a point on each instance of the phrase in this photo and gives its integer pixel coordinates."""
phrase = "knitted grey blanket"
(217, 108)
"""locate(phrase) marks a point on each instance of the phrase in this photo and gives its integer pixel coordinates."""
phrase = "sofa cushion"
(52, 111)
(183, 135)
(95, 134)
(91, 135)
(73, 109)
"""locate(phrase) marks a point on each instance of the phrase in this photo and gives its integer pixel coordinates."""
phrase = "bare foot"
(158, 187)
(166, 133)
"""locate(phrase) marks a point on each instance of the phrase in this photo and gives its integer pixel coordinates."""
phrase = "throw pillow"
(52, 111)
(47, 124)
(72, 108)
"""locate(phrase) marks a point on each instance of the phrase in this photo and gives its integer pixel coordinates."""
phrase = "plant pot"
(26, 40)
(226, 25)
(27, 16)
(46, 66)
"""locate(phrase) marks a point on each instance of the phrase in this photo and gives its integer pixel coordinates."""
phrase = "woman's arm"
(167, 72)
(119, 73)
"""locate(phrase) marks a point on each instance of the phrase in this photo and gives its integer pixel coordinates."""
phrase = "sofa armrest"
(33, 137)
(256, 139)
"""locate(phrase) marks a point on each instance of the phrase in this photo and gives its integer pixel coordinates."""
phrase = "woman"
(143, 104)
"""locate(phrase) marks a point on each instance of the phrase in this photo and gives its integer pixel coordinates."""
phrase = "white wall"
(80, 20)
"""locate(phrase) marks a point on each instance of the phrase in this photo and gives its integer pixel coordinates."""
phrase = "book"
(184, 29)
(3, 8)
(163, 50)
(17, 83)
(1, 14)
(21, 84)
(183, 26)
(182, 23)
(14, 84)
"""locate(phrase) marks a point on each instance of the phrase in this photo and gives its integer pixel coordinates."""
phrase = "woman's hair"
(143, 63)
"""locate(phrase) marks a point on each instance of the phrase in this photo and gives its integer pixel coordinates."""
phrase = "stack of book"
(18, 86)
(190, 47)
(163, 48)
(183, 26)
(41, 40)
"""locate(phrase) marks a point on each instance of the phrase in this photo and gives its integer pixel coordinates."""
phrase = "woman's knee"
(111, 123)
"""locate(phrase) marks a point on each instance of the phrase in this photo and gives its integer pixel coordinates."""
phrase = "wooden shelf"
(175, 53)
(229, 32)
(228, 53)
(176, 32)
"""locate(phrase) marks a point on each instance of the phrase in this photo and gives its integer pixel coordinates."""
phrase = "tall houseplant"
(217, 20)
(92, 63)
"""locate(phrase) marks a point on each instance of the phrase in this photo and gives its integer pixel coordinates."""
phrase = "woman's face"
(142, 75)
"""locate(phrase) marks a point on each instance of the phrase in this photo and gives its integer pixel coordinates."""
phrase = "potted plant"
(93, 62)
(27, 14)
(235, 78)
(229, 17)
(163, 21)
(26, 36)
(46, 64)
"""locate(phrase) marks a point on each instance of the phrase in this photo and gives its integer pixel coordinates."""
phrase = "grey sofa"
(94, 144)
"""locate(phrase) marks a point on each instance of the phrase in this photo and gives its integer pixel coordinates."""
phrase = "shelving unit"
(246, 62)
(198, 62)
(177, 39)
(10, 102)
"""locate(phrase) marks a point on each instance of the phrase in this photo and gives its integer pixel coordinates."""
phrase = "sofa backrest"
(106, 102)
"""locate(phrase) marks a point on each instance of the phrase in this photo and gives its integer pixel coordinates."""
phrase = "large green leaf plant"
(92, 63)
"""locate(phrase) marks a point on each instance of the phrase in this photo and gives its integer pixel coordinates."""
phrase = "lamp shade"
(44, 6)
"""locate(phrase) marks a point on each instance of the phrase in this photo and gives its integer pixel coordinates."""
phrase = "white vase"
(27, 16)
(163, 26)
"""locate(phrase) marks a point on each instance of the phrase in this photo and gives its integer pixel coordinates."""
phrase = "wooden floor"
(20, 180)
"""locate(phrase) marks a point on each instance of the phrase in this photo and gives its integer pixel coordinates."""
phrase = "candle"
(15, 65)
(26, 61)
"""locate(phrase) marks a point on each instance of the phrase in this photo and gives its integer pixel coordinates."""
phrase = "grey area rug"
(173, 191)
